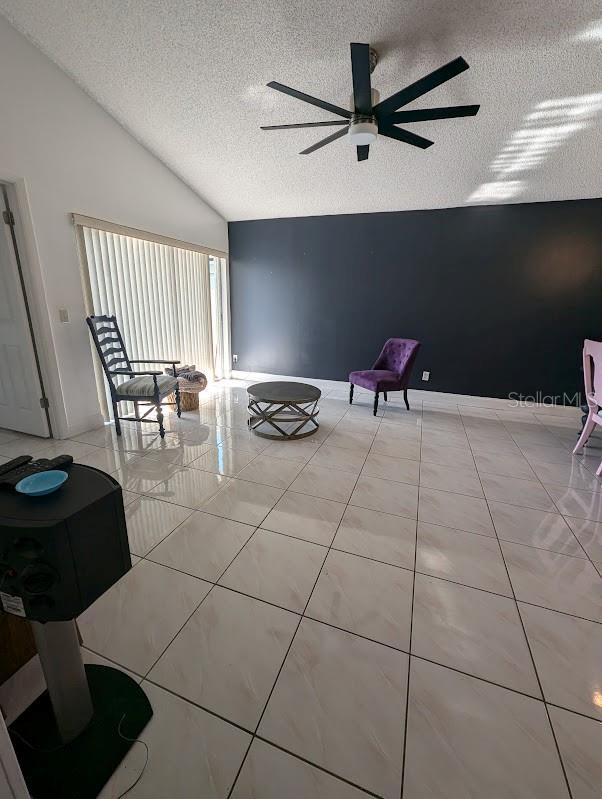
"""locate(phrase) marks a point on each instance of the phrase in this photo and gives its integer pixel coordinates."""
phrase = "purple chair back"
(398, 355)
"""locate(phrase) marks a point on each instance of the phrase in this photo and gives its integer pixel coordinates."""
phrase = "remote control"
(33, 467)
(9, 466)
(61, 462)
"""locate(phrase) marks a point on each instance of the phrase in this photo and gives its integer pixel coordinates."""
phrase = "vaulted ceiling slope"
(187, 79)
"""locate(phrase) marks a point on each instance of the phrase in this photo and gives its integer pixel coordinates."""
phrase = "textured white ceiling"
(188, 80)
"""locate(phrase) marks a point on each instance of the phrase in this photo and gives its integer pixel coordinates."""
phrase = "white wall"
(66, 154)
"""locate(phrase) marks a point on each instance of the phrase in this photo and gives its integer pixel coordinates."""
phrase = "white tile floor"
(407, 606)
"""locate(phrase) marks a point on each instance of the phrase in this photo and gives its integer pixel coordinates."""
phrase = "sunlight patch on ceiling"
(497, 191)
(592, 33)
(544, 131)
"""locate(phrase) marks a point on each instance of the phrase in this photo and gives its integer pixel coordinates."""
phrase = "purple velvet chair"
(391, 372)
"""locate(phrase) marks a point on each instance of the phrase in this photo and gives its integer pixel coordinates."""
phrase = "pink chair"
(592, 371)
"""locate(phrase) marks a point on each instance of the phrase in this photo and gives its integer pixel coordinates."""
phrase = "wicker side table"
(189, 400)
(189, 393)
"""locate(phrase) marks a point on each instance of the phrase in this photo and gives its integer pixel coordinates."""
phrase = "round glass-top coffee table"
(286, 407)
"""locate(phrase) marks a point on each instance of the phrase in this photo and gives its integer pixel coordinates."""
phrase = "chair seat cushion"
(376, 380)
(144, 386)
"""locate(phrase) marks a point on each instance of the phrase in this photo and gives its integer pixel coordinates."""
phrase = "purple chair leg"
(375, 403)
(405, 397)
(385, 394)
(351, 393)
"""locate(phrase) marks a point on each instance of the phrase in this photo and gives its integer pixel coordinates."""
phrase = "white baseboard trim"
(430, 397)
(82, 425)
(321, 383)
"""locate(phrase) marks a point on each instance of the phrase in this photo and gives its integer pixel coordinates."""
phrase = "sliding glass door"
(170, 301)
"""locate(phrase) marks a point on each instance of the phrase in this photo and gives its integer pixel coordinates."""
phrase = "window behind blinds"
(162, 298)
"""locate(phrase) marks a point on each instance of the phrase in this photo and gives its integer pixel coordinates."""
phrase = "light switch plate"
(63, 315)
(426, 376)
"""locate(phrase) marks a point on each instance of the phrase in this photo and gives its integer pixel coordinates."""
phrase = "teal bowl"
(42, 483)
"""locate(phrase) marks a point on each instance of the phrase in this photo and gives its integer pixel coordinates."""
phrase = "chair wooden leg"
(385, 396)
(136, 410)
(116, 418)
(405, 397)
(160, 420)
(157, 404)
(178, 408)
(375, 403)
(351, 387)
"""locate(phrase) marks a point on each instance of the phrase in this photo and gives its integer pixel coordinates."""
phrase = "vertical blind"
(162, 298)
(218, 276)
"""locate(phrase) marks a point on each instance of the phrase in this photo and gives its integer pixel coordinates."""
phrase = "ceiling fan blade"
(419, 115)
(420, 87)
(307, 98)
(360, 70)
(323, 142)
(363, 150)
(305, 125)
(404, 135)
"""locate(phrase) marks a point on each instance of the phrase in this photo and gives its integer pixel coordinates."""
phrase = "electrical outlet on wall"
(235, 359)
(426, 376)
(63, 315)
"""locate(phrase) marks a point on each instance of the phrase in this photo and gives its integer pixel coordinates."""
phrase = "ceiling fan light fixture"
(363, 131)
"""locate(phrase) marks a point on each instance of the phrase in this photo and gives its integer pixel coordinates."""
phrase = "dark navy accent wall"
(500, 296)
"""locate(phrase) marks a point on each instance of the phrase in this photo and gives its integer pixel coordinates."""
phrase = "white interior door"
(20, 389)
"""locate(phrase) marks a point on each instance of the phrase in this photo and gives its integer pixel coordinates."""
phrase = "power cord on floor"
(29, 745)
(134, 741)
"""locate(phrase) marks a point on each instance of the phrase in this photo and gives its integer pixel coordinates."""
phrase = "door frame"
(11, 776)
(35, 298)
(9, 233)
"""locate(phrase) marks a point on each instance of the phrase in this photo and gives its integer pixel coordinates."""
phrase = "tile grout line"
(367, 638)
(213, 585)
(374, 560)
(434, 524)
(553, 731)
(348, 632)
(302, 616)
(365, 791)
(556, 511)
(201, 510)
(407, 706)
(516, 605)
(538, 480)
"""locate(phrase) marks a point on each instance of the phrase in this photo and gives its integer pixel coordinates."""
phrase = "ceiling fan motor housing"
(363, 130)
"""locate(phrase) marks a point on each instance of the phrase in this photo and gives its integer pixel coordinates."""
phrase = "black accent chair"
(143, 387)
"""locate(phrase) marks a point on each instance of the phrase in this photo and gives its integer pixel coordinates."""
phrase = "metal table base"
(285, 406)
(277, 413)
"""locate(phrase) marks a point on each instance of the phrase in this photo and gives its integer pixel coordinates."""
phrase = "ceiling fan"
(370, 116)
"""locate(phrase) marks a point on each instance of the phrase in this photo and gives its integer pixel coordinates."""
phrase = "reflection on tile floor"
(407, 605)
